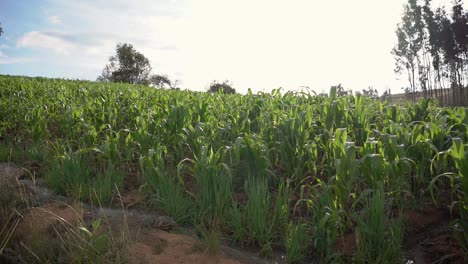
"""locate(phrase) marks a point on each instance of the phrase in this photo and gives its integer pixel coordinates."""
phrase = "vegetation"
(432, 49)
(280, 171)
(224, 87)
(131, 66)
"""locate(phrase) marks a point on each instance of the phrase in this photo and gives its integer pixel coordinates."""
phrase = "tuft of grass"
(10, 201)
(105, 183)
(214, 188)
(256, 213)
(281, 213)
(297, 242)
(163, 191)
(376, 243)
(211, 237)
(70, 175)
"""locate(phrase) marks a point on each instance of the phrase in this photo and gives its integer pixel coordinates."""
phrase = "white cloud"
(54, 20)
(41, 40)
(3, 55)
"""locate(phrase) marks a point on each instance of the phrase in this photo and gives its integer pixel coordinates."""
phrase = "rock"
(164, 223)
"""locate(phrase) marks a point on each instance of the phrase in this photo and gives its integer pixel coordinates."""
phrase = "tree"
(432, 51)
(410, 35)
(225, 87)
(127, 66)
(160, 80)
(340, 90)
(370, 92)
(1, 29)
(386, 94)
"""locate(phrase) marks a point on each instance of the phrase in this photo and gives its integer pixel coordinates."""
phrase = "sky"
(257, 44)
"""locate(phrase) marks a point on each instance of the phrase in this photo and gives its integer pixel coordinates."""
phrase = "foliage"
(431, 51)
(224, 87)
(160, 81)
(267, 169)
(127, 66)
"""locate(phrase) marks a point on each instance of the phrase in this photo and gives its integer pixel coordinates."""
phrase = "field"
(318, 179)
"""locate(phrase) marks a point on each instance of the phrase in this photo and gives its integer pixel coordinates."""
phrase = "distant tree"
(386, 94)
(340, 91)
(432, 51)
(410, 35)
(160, 81)
(225, 86)
(1, 29)
(127, 66)
(370, 92)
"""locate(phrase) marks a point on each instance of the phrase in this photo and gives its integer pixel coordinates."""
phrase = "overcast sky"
(258, 44)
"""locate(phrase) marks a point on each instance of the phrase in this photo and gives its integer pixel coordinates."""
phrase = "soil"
(428, 235)
(157, 246)
(346, 245)
(429, 238)
(40, 221)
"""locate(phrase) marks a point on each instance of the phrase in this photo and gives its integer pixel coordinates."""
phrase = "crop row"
(280, 171)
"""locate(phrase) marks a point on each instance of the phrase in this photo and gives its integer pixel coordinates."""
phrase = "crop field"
(321, 179)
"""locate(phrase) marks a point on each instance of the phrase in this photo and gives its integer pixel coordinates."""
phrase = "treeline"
(432, 51)
(131, 66)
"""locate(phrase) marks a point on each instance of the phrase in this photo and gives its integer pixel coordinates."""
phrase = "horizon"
(262, 45)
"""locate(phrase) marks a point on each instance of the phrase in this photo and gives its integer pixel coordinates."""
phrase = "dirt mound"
(40, 221)
(158, 246)
(9, 170)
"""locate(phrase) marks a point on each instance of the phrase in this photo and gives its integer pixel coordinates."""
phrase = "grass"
(105, 183)
(379, 236)
(71, 175)
(297, 243)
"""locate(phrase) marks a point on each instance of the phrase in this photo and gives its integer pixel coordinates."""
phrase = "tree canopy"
(432, 51)
(127, 66)
(224, 87)
(160, 81)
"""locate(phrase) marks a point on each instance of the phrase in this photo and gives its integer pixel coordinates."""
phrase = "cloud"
(44, 40)
(54, 20)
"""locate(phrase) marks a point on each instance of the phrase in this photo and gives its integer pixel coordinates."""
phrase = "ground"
(428, 236)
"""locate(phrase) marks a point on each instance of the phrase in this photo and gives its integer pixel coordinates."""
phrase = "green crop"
(282, 170)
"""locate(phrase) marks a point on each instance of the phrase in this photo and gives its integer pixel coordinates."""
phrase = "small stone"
(164, 223)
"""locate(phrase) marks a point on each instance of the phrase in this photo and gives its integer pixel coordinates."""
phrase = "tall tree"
(1, 29)
(410, 36)
(433, 46)
(127, 66)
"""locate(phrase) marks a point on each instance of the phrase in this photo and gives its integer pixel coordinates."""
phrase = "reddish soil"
(161, 247)
(429, 238)
(418, 221)
(38, 221)
(346, 245)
